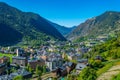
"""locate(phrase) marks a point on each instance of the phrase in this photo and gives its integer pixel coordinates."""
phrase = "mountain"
(108, 22)
(17, 26)
(62, 29)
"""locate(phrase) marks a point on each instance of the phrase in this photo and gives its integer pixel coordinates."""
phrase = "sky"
(66, 12)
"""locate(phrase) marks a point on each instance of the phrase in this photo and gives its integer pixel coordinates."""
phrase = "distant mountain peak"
(99, 25)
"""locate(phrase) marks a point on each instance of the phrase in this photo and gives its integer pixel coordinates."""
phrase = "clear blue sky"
(66, 12)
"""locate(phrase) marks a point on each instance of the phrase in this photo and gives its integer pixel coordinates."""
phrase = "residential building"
(2, 68)
(33, 63)
(54, 61)
(21, 61)
(98, 57)
(85, 61)
(4, 59)
(66, 68)
(21, 72)
(20, 52)
(72, 56)
(82, 63)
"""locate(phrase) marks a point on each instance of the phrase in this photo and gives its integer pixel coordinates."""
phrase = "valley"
(35, 48)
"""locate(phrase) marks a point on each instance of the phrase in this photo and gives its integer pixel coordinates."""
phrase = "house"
(2, 68)
(90, 44)
(33, 63)
(102, 38)
(65, 69)
(51, 49)
(62, 71)
(20, 52)
(69, 66)
(21, 72)
(72, 56)
(84, 50)
(98, 57)
(54, 61)
(79, 67)
(42, 54)
(81, 64)
(85, 61)
(24, 73)
(4, 59)
(21, 61)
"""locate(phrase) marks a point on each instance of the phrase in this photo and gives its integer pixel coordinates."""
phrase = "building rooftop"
(18, 57)
(22, 72)
(2, 65)
(80, 66)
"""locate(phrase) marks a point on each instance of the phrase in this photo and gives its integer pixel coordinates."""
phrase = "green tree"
(88, 74)
(8, 64)
(96, 63)
(30, 70)
(28, 66)
(44, 69)
(18, 77)
(38, 72)
(18, 67)
(13, 70)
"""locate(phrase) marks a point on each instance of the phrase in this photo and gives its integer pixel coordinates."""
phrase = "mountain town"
(34, 48)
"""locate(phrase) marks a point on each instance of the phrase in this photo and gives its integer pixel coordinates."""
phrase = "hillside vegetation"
(106, 69)
(109, 50)
(106, 24)
(17, 26)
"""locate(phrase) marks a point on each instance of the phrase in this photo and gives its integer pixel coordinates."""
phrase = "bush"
(117, 77)
(18, 77)
(88, 74)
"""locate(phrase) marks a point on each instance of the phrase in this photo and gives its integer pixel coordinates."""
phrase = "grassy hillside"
(109, 50)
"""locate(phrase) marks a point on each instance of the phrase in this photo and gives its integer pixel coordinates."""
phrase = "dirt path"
(111, 72)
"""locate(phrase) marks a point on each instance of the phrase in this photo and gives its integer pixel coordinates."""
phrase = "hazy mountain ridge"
(63, 29)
